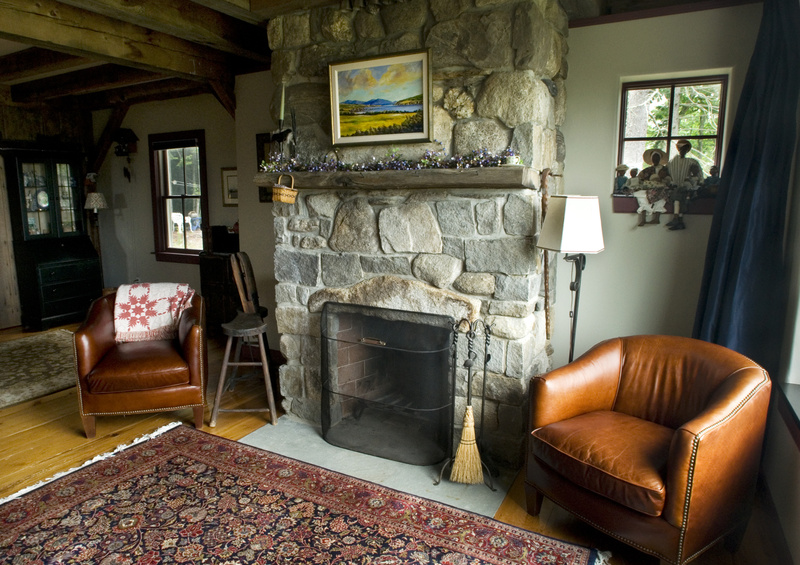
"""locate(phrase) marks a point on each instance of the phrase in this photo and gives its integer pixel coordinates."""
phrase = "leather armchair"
(654, 440)
(138, 377)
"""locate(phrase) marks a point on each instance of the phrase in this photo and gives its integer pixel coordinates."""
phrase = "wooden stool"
(241, 327)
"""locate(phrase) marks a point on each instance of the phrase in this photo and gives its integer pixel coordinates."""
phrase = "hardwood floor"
(43, 437)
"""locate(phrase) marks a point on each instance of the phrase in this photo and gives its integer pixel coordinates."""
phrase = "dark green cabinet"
(58, 268)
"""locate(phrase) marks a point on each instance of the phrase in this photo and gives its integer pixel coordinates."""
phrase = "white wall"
(648, 278)
(256, 232)
(127, 228)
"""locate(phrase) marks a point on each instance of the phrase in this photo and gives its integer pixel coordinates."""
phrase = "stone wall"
(468, 252)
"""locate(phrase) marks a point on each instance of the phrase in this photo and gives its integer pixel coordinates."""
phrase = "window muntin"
(180, 195)
(655, 114)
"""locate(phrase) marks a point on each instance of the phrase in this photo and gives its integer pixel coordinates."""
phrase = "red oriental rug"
(186, 496)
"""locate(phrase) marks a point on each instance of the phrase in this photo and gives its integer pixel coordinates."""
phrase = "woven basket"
(283, 193)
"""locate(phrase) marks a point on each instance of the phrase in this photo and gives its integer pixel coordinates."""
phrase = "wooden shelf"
(507, 178)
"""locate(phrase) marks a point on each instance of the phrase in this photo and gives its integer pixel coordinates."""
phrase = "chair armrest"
(587, 384)
(714, 458)
(95, 336)
(192, 340)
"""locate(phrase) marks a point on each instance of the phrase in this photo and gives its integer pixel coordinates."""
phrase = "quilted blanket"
(149, 311)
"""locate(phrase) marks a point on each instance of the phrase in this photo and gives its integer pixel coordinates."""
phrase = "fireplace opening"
(387, 385)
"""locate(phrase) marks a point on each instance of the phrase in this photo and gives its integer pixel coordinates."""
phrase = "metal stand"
(469, 363)
(575, 286)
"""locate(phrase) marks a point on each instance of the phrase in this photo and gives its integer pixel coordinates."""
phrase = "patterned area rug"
(187, 496)
(34, 366)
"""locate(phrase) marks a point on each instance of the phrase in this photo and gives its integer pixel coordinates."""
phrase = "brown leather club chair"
(654, 440)
(144, 376)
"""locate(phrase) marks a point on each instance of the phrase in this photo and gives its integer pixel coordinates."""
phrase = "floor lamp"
(572, 226)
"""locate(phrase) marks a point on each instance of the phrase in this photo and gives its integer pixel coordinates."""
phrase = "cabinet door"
(38, 217)
(51, 200)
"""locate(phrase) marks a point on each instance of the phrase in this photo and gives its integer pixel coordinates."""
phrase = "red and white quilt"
(149, 311)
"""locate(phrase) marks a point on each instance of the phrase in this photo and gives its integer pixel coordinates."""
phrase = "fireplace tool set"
(467, 465)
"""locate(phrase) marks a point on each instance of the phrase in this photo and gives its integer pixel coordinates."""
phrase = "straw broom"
(467, 467)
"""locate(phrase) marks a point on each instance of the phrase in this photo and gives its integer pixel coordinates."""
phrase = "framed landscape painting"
(381, 99)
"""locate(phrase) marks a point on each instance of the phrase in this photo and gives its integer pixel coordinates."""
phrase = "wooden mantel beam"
(54, 25)
(187, 20)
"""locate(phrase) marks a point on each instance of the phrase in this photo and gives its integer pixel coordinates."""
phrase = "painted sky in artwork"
(392, 82)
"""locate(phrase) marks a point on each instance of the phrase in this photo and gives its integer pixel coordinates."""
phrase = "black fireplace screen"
(387, 386)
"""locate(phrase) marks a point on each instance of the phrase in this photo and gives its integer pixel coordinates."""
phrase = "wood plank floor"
(43, 437)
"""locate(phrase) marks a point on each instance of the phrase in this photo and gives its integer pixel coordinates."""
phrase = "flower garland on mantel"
(278, 163)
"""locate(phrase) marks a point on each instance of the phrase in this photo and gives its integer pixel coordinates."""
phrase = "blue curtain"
(743, 295)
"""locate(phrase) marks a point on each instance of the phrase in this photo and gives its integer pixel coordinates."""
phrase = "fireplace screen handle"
(372, 341)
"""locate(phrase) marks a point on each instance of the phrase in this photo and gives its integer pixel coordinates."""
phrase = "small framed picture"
(230, 187)
(383, 99)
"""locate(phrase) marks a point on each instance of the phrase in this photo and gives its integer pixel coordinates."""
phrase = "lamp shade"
(96, 201)
(572, 225)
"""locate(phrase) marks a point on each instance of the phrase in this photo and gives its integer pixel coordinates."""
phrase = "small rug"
(188, 496)
(34, 366)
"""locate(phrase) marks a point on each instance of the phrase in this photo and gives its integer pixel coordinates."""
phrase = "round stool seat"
(245, 325)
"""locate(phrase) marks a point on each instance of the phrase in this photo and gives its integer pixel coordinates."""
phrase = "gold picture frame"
(380, 100)
(230, 187)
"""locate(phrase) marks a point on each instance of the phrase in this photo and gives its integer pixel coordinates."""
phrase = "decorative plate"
(42, 199)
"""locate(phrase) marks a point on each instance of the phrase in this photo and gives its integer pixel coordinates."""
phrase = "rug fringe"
(603, 558)
(100, 457)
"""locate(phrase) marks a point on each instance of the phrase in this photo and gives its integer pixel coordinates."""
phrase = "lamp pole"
(575, 286)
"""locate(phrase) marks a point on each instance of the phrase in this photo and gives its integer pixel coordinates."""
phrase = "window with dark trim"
(655, 114)
(180, 194)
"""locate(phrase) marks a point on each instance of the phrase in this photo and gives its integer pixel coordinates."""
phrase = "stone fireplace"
(460, 243)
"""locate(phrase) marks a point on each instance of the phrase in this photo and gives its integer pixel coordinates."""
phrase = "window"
(180, 195)
(655, 114)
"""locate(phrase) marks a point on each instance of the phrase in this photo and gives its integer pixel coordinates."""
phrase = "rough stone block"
(512, 309)
(519, 215)
(508, 256)
(479, 134)
(368, 26)
(516, 97)
(409, 228)
(386, 265)
(482, 40)
(405, 16)
(505, 389)
(337, 25)
(291, 380)
(453, 246)
(341, 270)
(520, 358)
(355, 228)
(511, 328)
(285, 293)
(448, 9)
(292, 320)
(409, 41)
(475, 283)
(314, 59)
(487, 217)
(456, 217)
(438, 270)
(296, 30)
(290, 347)
(296, 267)
(536, 42)
(303, 224)
(310, 353)
(516, 288)
(309, 242)
(459, 103)
(323, 204)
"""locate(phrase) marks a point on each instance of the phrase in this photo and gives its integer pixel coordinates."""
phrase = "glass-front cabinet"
(51, 197)
(58, 268)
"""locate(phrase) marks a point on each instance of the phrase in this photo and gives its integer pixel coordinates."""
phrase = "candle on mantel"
(283, 99)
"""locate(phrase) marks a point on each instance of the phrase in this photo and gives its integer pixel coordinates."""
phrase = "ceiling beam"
(35, 62)
(59, 27)
(271, 8)
(186, 20)
(150, 92)
(80, 82)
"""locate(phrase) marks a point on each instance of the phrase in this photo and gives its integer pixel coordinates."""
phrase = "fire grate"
(387, 387)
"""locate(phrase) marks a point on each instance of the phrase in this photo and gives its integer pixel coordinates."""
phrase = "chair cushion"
(609, 453)
(142, 365)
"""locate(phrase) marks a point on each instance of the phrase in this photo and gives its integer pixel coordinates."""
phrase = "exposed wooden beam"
(272, 8)
(35, 62)
(150, 92)
(81, 82)
(239, 9)
(225, 95)
(104, 143)
(186, 20)
(59, 27)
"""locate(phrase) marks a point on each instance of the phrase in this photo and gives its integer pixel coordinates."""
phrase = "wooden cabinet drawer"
(72, 271)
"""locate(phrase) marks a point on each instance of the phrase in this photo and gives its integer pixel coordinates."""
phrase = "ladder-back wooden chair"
(250, 323)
